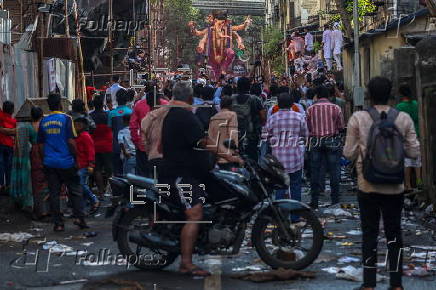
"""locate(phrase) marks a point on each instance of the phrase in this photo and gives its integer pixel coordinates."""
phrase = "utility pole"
(285, 45)
(110, 20)
(150, 36)
(358, 93)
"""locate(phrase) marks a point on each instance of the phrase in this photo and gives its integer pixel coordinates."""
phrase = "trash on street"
(274, 275)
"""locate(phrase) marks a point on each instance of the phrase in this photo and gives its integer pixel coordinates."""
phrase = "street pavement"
(69, 271)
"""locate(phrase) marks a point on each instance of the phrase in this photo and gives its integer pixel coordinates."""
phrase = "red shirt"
(7, 121)
(85, 150)
(102, 135)
(324, 119)
(140, 110)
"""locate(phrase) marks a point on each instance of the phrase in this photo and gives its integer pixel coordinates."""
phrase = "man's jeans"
(373, 206)
(265, 148)
(330, 150)
(6, 154)
(84, 182)
(296, 179)
(129, 165)
(55, 178)
(294, 187)
(117, 164)
(141, 163)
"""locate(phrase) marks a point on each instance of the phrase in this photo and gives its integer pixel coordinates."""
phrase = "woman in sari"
(22, 189)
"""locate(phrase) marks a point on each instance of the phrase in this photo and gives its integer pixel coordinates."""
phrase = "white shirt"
(327, 39)
(337, 41)
(112, 91)
(125, 138)
(308, 39)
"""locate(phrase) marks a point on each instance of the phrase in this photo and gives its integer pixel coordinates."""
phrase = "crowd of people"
(300, 119)
(304, 58)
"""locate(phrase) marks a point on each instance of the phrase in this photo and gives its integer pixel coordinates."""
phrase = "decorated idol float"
(217, 41)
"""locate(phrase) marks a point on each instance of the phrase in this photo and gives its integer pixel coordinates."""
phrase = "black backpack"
(384, 160)
(244, 113)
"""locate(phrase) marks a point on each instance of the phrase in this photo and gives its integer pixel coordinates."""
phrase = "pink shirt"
(299, 44)
(287, 130)
(324, 119)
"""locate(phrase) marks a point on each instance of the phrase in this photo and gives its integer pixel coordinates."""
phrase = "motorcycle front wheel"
(298, 252)
(134, 222)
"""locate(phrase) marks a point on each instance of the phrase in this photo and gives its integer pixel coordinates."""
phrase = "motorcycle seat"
(139, 181)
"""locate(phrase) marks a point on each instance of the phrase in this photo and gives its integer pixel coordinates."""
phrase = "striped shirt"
(324, 119)
(286, 134)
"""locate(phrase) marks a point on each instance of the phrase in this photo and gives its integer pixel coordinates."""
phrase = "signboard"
(239, 68)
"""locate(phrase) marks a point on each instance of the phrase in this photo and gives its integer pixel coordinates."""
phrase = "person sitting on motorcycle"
(182, 167)
(224, 126)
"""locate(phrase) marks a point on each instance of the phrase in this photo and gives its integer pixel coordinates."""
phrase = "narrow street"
(71, 269)
(217, 144)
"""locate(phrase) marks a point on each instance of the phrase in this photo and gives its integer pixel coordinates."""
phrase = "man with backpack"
(379, 139)
(251, 117)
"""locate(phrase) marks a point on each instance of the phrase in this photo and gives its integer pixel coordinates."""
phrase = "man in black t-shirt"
(182, 132)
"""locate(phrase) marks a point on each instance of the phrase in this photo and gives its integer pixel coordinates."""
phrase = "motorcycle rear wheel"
(266, 228)
(145, 262)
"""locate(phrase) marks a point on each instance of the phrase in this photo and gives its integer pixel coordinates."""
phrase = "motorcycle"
(148, 228)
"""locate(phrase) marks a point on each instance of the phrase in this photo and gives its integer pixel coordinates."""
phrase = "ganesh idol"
(217, 40)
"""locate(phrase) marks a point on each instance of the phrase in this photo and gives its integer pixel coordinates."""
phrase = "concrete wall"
(377, 53)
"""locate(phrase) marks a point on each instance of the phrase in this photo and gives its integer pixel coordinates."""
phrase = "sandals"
(196, 272)
(81, 224)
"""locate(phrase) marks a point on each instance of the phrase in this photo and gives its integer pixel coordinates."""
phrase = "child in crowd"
(127, 147)
(85, 160)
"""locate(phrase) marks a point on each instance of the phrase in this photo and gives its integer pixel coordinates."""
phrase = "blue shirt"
(54, 132)
(217, 96)
(115, 121)
(197, 101)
